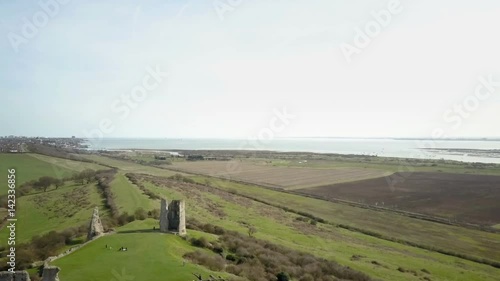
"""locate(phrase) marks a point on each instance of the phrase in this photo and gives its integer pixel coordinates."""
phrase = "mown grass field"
(263, 173)
(68, 206)
(129, 197)
(273, 224)
(33, 166)
(151, 256)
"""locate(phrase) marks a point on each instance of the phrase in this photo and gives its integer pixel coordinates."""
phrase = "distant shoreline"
(473, 151)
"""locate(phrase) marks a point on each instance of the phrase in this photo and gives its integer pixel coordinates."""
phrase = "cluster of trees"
(104, 179)
(86, 176)
(139, 214)
(45, 182)
(259, 260)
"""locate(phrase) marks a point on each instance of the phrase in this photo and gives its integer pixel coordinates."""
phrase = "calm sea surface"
(476, 149)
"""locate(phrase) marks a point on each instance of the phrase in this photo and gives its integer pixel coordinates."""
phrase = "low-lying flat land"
(464, 197)
(264, 173)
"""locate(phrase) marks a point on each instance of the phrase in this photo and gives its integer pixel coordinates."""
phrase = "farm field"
(150, 256)
(33, 166)
(279, 177)
(128, 166)
(273, 224)
(393, 164)
(463, 197)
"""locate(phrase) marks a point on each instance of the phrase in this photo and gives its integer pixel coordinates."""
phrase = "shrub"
(282, 276)
(218, 249)
(215, 263)
(155, 214)
(140, 214)
(181, 178)
(231, 257)
(201, 242)
(125, 218)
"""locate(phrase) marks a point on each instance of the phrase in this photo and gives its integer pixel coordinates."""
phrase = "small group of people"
(121, 248)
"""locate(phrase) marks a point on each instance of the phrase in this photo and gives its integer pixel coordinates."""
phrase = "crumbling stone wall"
(50, 273)
(163, 215)
(14, 276)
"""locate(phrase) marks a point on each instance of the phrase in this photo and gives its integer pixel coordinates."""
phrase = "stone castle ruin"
(14, 276)
(95, 227)
(50, 273)
(173, 217)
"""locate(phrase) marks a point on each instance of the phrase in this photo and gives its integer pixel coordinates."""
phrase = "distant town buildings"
(19, 144)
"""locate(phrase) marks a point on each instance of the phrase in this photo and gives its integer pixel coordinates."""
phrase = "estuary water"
(485, 151)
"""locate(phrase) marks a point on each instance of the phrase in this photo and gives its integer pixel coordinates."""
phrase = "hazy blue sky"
(228, 74)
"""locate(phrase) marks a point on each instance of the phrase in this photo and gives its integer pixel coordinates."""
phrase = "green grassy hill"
(151, 256)
(129, 197)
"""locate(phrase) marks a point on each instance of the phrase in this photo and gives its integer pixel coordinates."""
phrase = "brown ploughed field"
(278, 177)
(463, 197)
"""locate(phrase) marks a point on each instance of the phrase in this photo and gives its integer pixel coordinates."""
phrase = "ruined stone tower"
(164, 215)
(173, 216)
(177, 217)
(95, 227)
(50, 273)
